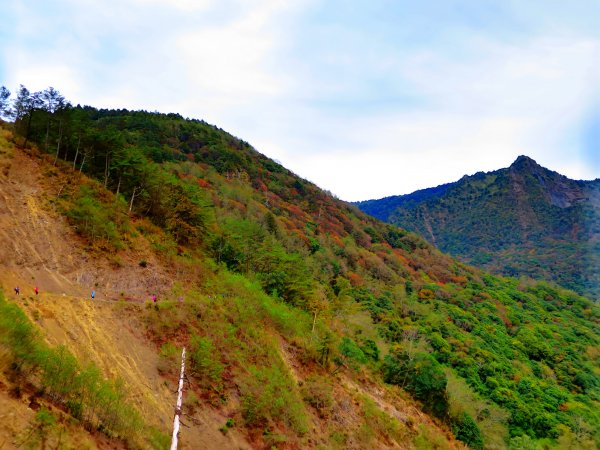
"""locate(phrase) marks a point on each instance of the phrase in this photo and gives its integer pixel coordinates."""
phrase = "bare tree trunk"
(132, 198)
(82, 162)
(28, 129)
(106, 170)
(118, 187)
(66, 149)
(60, 190)
(47, 133)
(76, 152)
(59, 141)
(175, 437)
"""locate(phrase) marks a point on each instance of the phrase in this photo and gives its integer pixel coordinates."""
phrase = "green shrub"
(56, 372)
(268, 395)
(95, 220)
(421, 375)
(40, 431)
(17, 336)
(191, 402)
(350, 354)
(205, 363)
(523, 443)
(159, 440)
(370, 349)
(168, 358)
(229, 424)
(466, 430)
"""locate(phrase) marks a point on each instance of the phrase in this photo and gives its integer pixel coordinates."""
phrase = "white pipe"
(179, 403)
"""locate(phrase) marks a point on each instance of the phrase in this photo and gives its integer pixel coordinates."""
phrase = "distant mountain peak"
(521, 220)
(523, 162)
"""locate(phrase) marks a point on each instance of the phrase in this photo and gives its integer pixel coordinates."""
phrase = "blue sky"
(364, 98)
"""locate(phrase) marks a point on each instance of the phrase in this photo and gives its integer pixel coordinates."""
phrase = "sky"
(364, 98)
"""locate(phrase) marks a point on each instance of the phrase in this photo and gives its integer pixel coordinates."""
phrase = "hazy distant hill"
(522, 220)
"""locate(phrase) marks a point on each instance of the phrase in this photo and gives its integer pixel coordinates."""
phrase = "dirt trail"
(38, 247)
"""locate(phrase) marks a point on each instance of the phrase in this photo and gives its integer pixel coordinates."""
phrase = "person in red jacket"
(36, 290)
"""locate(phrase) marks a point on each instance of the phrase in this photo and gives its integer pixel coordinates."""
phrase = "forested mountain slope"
(522, 220)
(72, 369)
(296, 307)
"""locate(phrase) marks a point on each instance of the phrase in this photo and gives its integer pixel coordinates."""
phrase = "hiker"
(93, 295)
(36, 290)
(17, 290)
(154, 298)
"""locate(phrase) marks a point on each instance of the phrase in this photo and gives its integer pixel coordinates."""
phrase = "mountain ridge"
(547, 211)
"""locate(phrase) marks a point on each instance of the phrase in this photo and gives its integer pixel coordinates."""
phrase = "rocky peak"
(525, 163)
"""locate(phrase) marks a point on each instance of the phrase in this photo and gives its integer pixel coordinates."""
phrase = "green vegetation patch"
(98, 403)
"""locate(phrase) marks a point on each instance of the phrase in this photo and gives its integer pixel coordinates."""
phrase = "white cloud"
(479, 114)
(37, 77)
(233, 68)
(244, 67)
(185, 5)
(425, 152)
(508, 78)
